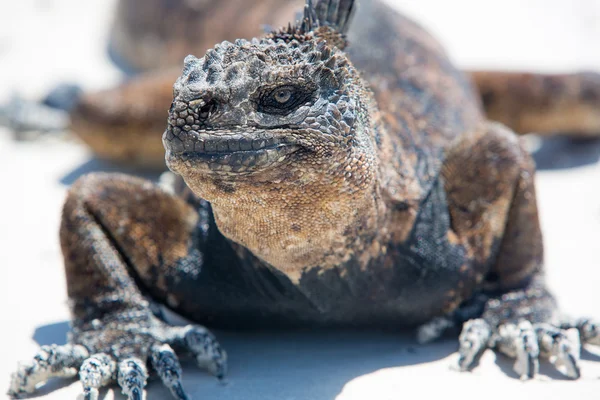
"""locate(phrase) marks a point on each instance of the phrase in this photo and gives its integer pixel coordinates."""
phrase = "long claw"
(136, 394)
(520, 341)
(132, 377)
(95, 372)
(208, 352)
(473, 341)
(166, 364)
(90, 393)
(561, 347)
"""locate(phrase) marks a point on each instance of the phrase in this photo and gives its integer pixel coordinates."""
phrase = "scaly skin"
(356, 186)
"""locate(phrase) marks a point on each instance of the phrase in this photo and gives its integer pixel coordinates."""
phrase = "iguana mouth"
(225, 151)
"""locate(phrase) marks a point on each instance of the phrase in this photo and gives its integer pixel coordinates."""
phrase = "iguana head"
(247, 108)
(280, 123)
(264, 107)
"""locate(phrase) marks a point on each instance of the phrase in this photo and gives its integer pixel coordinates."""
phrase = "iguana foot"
(526, 343)
(104, 353)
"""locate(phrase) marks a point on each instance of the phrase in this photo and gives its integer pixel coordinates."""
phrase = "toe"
(562, 347)
(520, 342)
(528, 351)
(95, 372)
(165, 362)
(132, 376)
(50, 361)
(203, 345)
(473, 341)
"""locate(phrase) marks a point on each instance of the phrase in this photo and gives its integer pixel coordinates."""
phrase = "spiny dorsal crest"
(307, 47)
(326, 19)
(225, 62)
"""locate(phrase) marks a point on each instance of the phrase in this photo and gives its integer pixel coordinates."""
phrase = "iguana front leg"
(489, 181)
(122, 237)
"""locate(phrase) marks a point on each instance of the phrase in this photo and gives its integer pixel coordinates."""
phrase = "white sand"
(43, 42)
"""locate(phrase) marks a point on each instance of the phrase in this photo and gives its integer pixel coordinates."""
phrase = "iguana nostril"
(206, 110)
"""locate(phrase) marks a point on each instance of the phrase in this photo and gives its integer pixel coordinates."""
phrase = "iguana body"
(330, 185)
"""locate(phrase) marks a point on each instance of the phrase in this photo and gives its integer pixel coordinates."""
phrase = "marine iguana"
(342, 173)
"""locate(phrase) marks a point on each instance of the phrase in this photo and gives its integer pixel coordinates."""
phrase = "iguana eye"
(283, 100)
(282, 95)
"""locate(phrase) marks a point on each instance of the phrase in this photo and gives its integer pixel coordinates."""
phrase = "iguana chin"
(343, 174)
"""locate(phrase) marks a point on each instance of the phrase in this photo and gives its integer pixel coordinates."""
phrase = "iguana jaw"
(229, 153)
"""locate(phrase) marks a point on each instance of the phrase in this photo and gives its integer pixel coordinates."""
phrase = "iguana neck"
(304, 217)
(294, 233)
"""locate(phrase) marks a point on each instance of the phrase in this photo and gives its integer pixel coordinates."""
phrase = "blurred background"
(97, 44)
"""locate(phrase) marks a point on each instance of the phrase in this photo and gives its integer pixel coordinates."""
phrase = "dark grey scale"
(233, 144)
(210, 146)
(222, 145)
(193, 76)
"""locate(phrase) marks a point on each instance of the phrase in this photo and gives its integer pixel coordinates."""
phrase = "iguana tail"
(543, 104)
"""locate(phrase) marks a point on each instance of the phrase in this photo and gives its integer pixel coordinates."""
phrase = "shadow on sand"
(300, 364)
(288, 364)
(562, 152)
